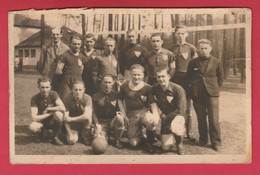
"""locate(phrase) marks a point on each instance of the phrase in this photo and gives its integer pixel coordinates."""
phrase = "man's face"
(157, 42)
(204, 49)
(78, 91)
(163, 78)
(109, 47)
(56, 35)
(107, 83)
(181, 35)
(131, 37)
(89, 43)
(45, 88)
(137, 76)
(75, 45)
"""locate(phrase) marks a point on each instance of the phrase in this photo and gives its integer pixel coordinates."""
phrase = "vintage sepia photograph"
(130, 86)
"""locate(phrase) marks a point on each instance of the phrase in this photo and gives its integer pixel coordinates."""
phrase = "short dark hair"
(131, 31)
(160, 69)
(108, 75)
(90, 35)
(43, 79)
(156, 34)
(204, 41)
(137, 66)
(78, 81)
(180, 27)
(75, 36)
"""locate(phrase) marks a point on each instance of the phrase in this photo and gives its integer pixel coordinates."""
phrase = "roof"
(24, 21)
(35, 39)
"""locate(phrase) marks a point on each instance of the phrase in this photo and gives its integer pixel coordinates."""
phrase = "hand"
(45, 111)
(68, 119)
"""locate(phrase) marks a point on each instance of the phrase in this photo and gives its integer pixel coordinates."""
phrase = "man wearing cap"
(158, 58)
(205, 77)
(184, 52)
(131, 54)
(78, 115)
(171, 100)
(89, 74)
(106, 111)
(70, 66)
(50, 55)
(47, 111)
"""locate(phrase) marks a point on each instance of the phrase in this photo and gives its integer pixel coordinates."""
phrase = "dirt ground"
(232, 122)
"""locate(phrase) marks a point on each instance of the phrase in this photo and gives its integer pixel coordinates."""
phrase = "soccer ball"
(99, 145)
(178, 125)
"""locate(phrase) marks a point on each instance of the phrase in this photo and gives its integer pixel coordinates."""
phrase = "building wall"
(30, 55)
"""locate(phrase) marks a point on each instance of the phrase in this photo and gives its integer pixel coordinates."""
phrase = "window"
(33, 53)
(20, 53)
(26, 53)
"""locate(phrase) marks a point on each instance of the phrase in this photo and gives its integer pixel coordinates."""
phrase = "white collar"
(137, 87)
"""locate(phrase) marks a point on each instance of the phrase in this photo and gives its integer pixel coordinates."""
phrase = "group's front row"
(146, 113)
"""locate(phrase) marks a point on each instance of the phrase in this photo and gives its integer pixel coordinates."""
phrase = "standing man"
(158, 58)
(205, 77)
(47, 111)
(72, 61)
(50, 56)
(106, 111)
(171, 100)
(78, 115)
(184, 52)
(134, 102)
(107, 62)
(132, 54)
(89, 75)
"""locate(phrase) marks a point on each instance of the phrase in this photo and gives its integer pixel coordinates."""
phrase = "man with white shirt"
(89, 75)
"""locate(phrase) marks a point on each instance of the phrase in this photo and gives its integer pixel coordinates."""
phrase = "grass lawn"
(232, 122)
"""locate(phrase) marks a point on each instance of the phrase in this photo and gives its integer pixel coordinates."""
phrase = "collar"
(108, 54)
(204, 58)
(137, 87)
(159, 51)
(168, 88)
(185, 43)
(58, 44)
(90, 52)
(75, 54)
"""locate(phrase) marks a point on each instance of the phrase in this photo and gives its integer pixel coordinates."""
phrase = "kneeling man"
(78, 115)
(106, 111)
(47, 111)
(171, 101)
(135, 97)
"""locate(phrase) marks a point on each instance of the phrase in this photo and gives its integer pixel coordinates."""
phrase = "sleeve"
(54, 95)
(66, 102)
(88, 101)
(193, 50)
(220, 74)
(95, 107)
(181, 105)
(171, 57)
(63, 58)
(33, 102)
(151, 99)
(41, 62)
(121, 94)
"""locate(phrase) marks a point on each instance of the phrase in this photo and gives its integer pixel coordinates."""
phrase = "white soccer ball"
(178, 125)
(151, 121)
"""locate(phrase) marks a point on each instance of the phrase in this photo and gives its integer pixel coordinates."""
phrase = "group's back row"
(91, 64)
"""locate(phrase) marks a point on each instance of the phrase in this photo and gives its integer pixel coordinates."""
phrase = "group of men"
(82, 88)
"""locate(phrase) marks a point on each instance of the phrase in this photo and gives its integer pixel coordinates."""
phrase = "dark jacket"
(211, 79)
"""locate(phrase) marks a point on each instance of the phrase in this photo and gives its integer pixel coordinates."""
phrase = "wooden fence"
(225, 30)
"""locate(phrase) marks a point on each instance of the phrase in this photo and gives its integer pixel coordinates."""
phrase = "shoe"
(57, 141)
(191, 139)
(150, 148)
(216, 147)
(203, 143)
(118, 144)
(180, 149)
